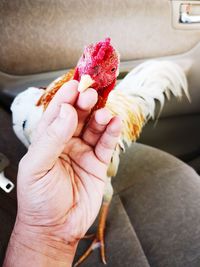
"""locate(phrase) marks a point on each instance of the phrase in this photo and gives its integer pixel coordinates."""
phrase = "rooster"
(134, 100)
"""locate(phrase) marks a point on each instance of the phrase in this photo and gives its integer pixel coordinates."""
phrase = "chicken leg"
(99, 236)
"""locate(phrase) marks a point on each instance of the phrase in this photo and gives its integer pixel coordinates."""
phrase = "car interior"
(155, 213)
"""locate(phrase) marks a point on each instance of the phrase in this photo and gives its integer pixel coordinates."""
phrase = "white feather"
(25, 114)
(153, 80)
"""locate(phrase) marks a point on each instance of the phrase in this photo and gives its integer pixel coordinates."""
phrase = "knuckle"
(95, 131)
(52, 134)
(105, 143)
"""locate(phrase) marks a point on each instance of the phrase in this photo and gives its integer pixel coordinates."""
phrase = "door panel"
(38, 36)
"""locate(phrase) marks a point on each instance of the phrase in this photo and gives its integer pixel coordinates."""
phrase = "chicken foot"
(99, 237)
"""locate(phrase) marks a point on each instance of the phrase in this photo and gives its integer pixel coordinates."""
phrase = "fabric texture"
(39, 36)
(154, 216)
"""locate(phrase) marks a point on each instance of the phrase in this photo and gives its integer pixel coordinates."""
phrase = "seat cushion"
(154, 216)
(161, 196)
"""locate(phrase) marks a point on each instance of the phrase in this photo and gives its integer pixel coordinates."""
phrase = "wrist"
(41, 248)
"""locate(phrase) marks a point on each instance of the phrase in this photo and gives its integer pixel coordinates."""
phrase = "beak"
(85, 82)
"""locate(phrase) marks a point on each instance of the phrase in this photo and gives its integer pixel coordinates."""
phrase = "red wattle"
(76, 75)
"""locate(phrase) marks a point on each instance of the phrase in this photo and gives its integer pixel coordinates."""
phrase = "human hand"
(61, 178)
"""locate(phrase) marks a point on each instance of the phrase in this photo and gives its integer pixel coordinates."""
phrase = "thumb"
(43, 154)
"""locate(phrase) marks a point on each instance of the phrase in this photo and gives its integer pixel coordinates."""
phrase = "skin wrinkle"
(81, 157)
(53, 227)
(33, 226)
(89, 143)
(82, 122)
(57, 219)
(65, 158)
(53, 135)
(105, 144)
(47, 182)
(101, 158)
(33, 150)
(84, 191)
(63, 96)
(79, 180)
(39, 251)
(95, 131)
(41, 176)
(83, 184)
(106, 147)
(75, 165)
(75, 198)
(72, 148)
(91, 174)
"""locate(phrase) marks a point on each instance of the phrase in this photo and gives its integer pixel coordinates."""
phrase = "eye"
(24, 124)
(113, 69)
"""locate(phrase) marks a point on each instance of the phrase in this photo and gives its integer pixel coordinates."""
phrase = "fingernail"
(63, 111)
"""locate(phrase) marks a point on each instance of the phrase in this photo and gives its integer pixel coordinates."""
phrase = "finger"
(87, 99)
(97, 126)
(108, 141)
(68, 93)
(44, 153)
(85, 102)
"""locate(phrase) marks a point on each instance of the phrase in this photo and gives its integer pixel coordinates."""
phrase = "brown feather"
(53, 88)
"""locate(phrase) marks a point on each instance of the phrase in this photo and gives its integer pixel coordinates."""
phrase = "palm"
(64, 192)
(75, 178)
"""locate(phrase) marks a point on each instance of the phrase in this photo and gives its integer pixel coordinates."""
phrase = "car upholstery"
(154, 218)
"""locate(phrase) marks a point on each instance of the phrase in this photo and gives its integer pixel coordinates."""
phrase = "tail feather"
(154, 80)
(135, 96)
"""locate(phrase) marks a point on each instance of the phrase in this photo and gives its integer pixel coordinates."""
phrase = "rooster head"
(98, 67)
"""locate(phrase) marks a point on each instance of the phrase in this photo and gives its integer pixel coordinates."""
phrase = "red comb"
(102, 50)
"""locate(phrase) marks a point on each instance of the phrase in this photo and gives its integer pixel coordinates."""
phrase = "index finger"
(68, 93)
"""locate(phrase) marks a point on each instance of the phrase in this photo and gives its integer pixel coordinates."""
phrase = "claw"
(92, 247)
(88, 236)
(102, 248)
(98, 238)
